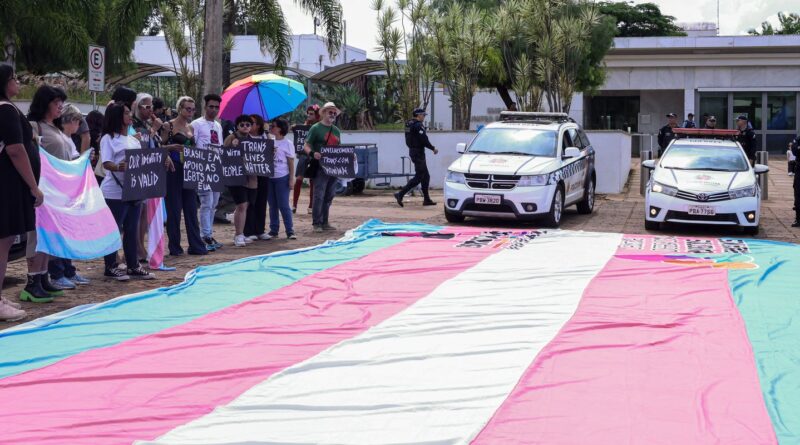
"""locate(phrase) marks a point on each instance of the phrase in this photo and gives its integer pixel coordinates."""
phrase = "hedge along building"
(724, 76)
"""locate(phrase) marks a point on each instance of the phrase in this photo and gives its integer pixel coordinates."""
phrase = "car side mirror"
(461, 147)
(760, 169)
(572, 152)
(650, 164)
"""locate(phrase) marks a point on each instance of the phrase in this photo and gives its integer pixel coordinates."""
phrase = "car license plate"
(702, 210)
(488, 199)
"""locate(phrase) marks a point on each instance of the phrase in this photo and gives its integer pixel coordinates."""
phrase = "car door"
(574, 169)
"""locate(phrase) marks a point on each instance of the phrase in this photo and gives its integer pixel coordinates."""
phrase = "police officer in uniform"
(417, 141)
(689, 122)
(746, 137)
(796, 183)
(666, 133)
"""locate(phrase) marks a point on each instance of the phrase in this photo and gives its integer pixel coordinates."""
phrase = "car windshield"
(522, 141)
(694, 157)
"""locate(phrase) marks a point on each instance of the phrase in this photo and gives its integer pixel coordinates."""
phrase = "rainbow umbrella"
(267, 95)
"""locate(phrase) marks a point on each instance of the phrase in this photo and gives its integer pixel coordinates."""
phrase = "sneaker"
(328, 227)
(791, 174)
(265, 236)
(318, 229)
(217, 244)
(796, 224)
(141, 274)
(49, 288)
(294, 209)
(116, 274)
(252, 237)
(239, 241)
(399, 198)
(80, 280)
(210, 246)
(309, 210)
(10, 303)
(291, 235)
(10, 313)
(64, 284)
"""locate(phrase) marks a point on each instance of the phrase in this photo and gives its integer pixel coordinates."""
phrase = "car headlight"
(743, 193)
(533, 180)
(663, 189)
(455, 177)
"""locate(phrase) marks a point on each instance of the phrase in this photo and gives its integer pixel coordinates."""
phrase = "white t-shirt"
(284, 150)
(207, 132)
(113, 150)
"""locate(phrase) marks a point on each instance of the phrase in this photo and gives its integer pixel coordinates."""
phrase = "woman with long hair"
(177, 134)
(113, 144)
(19, 178)
(312, 117)
(256, 220)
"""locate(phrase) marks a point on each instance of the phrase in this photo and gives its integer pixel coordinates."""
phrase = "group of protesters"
(139, 121)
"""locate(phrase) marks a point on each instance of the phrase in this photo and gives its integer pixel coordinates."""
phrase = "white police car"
(526, 166)
(703, 180)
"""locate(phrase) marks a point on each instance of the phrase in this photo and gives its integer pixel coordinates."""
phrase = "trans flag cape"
(74, 221)
(418, 334)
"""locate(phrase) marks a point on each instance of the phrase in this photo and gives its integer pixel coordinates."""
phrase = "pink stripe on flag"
(155, 232)
(143, 388)
(667, 361)
(77, 227)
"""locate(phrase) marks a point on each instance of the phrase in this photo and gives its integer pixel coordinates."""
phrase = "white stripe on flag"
(433, 374)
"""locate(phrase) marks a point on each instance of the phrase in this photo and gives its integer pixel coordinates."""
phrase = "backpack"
(409, 133)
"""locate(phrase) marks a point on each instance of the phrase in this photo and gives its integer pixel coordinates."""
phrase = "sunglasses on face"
(245, 124)
(331, 113)
(213, 107)
(191, 110)
(146, 107)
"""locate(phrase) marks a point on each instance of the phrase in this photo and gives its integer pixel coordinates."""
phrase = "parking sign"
(97, 68)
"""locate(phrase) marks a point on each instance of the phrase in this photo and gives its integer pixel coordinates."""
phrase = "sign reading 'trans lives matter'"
(339, 160)
(259, 156)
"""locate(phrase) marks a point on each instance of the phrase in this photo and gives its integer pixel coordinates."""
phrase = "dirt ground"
(621, 213)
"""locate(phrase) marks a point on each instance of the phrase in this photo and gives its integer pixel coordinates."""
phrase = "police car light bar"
(705, 132)
(534, 116)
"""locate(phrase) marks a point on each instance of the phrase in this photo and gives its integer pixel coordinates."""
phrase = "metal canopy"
(240, 70)
(346, 72)
(142, 70)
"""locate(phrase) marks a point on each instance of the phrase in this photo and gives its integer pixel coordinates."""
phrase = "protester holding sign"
(256, 220)
(245, 194)
(283, 180)
(312, 117)
(208, 131)
(147, 125)
(177, 134)
(19, 178)
(113, 144)
(323, 133)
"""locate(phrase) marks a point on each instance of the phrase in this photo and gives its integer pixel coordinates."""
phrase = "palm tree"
(265, 19)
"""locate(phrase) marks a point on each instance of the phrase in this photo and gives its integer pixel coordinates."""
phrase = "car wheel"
(652, 225)
(358, 186)
(453, 217)
(750, 230)
(586, 205)
(553, 219)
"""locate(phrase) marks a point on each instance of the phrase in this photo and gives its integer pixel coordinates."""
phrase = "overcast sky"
(736, 16)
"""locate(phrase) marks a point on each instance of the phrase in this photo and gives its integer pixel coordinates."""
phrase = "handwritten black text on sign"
(202, 169)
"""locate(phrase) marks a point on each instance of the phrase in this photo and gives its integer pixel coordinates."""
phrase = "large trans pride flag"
(74, 221)
(419, 334)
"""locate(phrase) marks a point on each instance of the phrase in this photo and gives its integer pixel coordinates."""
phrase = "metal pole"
(762, 157)
(94, 100)
(345, 41)
(644, 178)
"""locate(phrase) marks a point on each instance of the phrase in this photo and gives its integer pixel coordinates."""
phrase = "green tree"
(642, 20)
(787, 24)
(44, 36)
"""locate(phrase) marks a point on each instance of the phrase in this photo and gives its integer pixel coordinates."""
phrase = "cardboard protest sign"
(233, 166)
(145, 175)
(202, 168)
(300, 132)
(339, 160)
(259, 156)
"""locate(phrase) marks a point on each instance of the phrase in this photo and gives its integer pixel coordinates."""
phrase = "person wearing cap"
(667, 133)
(323, 133)
(746, 137)
(711, 122)
(689, 122)
(417, 141)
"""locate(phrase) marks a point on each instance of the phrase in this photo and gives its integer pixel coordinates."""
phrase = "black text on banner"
(339, 160)
(233, 166)
(145, 174)
(202, 169)
(259, 156)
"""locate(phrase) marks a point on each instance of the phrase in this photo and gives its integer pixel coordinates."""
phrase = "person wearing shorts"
(243, 195)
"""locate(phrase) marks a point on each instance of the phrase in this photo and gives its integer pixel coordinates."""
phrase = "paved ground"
(623, 213)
